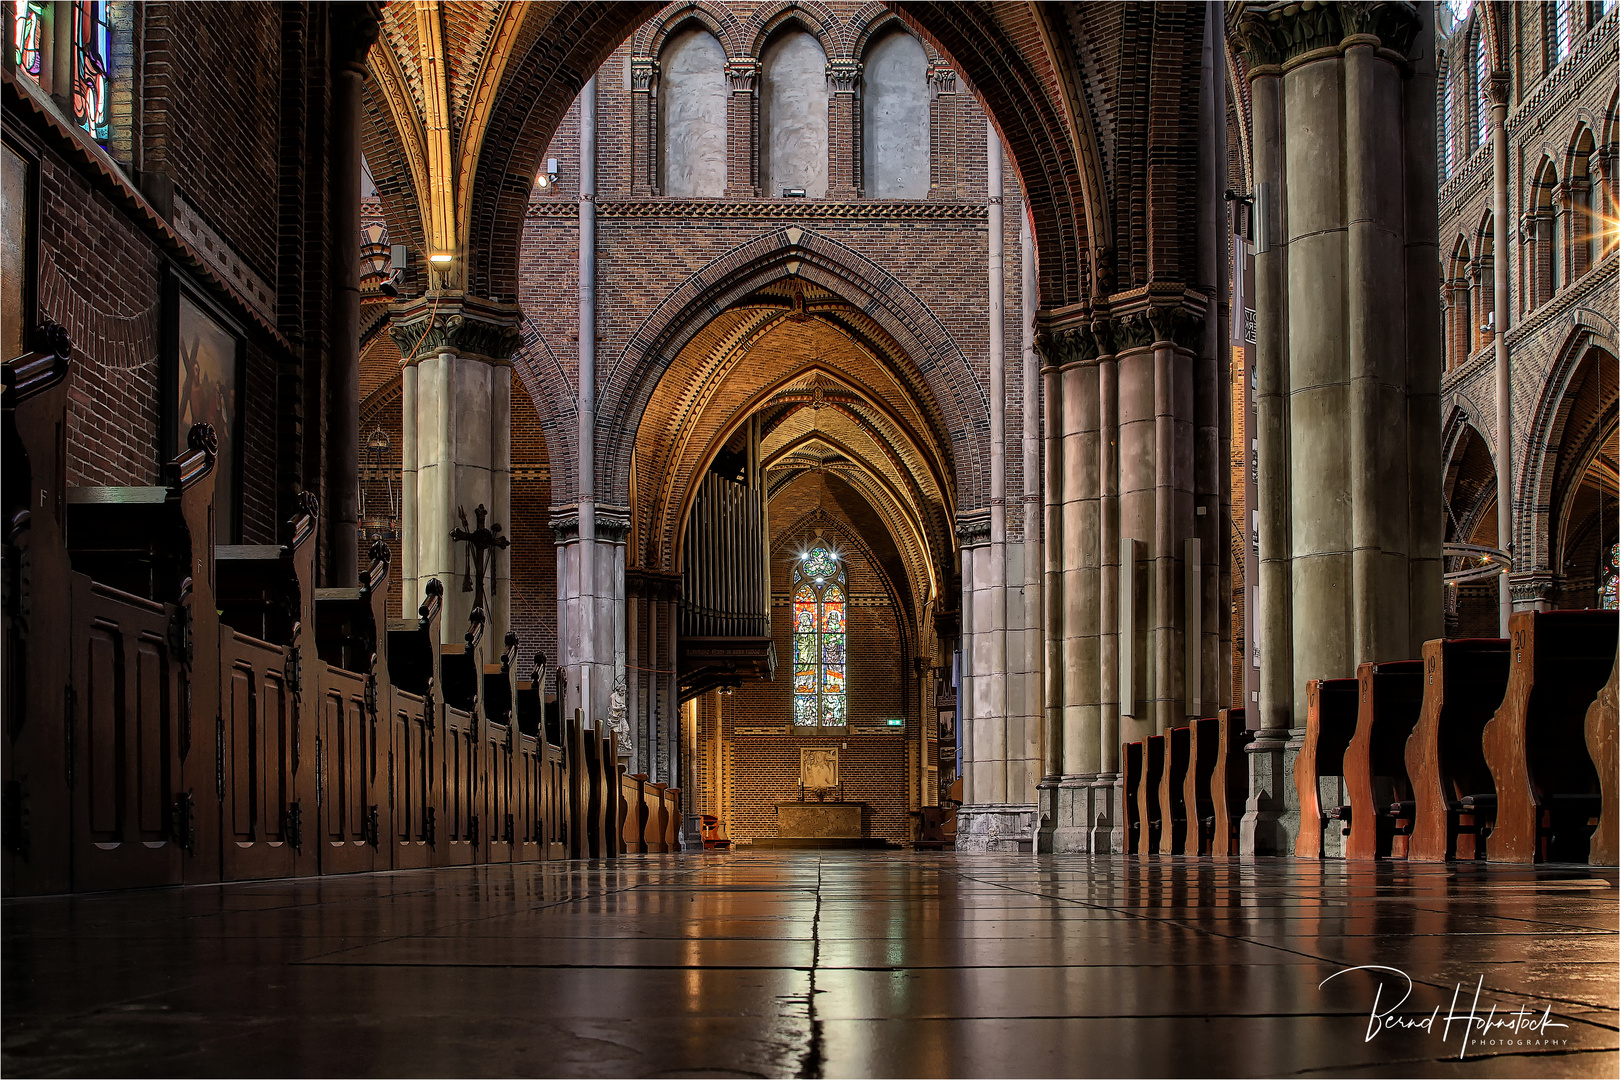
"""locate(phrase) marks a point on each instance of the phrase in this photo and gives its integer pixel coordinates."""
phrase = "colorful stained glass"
(91, 48)
(26, 41)
(1609, 581)
(818, 639)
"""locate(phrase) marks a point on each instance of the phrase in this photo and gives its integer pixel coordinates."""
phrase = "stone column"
(353, 31)
(942, 132)
(990, 638)
(1504, 317)
(1270, 818)
(411, 584)
(1055, 809)
(742, 127)
(643, 126)
(1101, 804)
(1348, 407)
(1036, 734)
(843, 129)
(456, 441)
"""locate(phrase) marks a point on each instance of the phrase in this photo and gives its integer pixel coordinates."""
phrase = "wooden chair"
(1172, 792)
(1131, 760)
(1547, 791)
(1229, 783)
(1330, 723)
(1463, 683)
(1390, 697)
(1203, 750)
(1149, 820)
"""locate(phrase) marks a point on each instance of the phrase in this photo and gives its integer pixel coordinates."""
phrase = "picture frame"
(204, 361)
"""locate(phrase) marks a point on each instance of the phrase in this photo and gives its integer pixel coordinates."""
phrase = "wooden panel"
(1149, 822)
(1535, 744)
(1602, 720)
(1389, 699)
(123, 736)
(349, 811)
(1203, 736)
(1171, 795)
(1330, 722)
(240, 728)
(1131, 758)
(1463, 683)
(1228, 785)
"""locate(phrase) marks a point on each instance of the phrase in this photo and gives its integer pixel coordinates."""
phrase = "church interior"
(810, 538)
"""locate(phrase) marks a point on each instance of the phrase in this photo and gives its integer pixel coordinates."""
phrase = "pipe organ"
(725, 606)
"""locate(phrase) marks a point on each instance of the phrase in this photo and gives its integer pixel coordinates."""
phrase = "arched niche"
(692, 116)
(894, 104)
(793, 115)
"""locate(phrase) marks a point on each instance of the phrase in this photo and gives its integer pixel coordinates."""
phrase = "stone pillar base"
(1107, 827)
(996, 827)
(1073, 834)
(1048, 815)
(1271, 814)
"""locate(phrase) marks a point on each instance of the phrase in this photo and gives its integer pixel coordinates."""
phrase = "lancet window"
(820, 595)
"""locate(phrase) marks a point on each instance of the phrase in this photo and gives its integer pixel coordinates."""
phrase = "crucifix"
(483, 541)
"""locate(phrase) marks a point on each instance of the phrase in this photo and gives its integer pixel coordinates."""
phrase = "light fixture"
(549, 176)
(441, 258)
(383, 522)
(793, 193)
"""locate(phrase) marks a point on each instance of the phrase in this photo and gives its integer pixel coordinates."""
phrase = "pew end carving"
(1464, 680)
(1330, 723)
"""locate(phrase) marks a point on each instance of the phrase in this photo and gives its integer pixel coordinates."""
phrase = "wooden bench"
(1464, 680)
(417, 730)
(1229, 782)
(1203, 739)
(1547, 789)
(265, 595)
(1389, 699)
(1130, 756)
(1330, 723)
(1149, 821)
(1602, 719)
(1172, 792)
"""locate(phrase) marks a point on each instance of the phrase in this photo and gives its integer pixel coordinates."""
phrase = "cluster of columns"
(1002, 661)
(456, 451)
(1348, 359)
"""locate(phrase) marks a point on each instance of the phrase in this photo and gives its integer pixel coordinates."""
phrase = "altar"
(820, 816)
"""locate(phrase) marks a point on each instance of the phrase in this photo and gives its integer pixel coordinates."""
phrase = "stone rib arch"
(815, 18)
(651, 38)
(784, 254)
(1535, 497)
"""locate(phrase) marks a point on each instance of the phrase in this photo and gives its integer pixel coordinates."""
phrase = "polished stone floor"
(827, 964)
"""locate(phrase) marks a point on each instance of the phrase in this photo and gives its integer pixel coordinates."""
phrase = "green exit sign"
(896, 721)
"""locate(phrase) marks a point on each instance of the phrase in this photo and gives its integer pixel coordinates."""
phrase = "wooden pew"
(265, 596)
(1130, 757)
(1330, 723)
(1229, 783)
(1602, 719)
(1203, 738)
(1172, 792)
(463, 828)
(498, 702)
(143, 727)
(37, 812)
(351, 643)
(635, 813)
(1463, 683)
(1150, 822)
(416, 730)
(672, 819)
(1547, 790)
(657, 818)
(1389, 699)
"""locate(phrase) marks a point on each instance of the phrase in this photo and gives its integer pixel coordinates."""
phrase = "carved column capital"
(468, 326)
(943, 76)
(643, 72)
(741, 74)
(844, 75)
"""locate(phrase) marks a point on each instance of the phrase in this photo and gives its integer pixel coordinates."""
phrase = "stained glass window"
(90, 52)
(819, 640)
(27, 34)
(1609, 581)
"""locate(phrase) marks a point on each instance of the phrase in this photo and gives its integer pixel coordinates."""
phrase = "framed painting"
(206, 379)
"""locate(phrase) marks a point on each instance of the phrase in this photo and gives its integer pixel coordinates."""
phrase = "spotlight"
(443, 258)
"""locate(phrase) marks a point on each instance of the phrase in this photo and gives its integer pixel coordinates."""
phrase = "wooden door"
(346, 751)
(262, 825)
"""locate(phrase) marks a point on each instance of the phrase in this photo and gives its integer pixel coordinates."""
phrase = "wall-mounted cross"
(483, 541)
